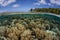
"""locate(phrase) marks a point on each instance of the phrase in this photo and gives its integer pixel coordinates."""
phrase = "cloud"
(16, 5)
(40, 2)
(6, 2)
(36, 3)
(57, 2)
(50, 3)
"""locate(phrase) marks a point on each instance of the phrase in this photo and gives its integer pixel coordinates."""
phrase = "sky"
(26, 5)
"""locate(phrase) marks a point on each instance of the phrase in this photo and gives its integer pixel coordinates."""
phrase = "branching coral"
(30, 29)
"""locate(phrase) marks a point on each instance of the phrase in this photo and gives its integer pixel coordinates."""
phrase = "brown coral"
(30, 30)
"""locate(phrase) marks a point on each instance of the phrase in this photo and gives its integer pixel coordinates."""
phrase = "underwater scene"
(29, 27)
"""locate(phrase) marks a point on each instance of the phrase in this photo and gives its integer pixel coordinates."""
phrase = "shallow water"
(45, 23)
(31, 15)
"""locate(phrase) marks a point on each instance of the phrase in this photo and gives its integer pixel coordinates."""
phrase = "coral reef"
(30, 29)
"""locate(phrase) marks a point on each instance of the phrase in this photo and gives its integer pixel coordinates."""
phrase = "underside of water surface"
(29, 27)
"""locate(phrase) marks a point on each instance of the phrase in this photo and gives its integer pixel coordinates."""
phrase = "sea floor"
(29, 27)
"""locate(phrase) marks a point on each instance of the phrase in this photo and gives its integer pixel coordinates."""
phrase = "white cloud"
(57, 2)
(40, 2)
(49, 4)
(36, 3)
(6, 2)
(16, 5)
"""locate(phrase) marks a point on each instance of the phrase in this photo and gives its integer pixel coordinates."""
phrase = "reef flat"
(29, 27)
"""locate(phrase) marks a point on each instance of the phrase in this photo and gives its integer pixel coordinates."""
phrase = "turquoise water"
(45, 16)
(31, 15)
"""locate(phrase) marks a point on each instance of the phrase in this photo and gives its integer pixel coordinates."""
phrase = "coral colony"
(29, 28)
